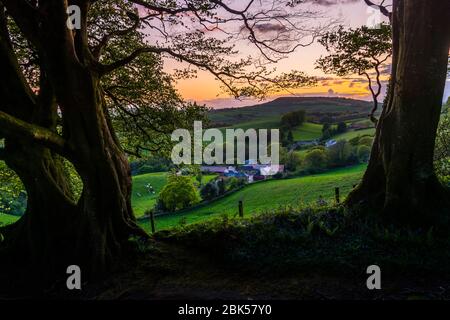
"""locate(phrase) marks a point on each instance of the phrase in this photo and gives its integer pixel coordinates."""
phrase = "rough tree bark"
(400, 181)
(55, 232)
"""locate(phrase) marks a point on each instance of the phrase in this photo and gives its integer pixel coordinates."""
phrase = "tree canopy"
(362, 51)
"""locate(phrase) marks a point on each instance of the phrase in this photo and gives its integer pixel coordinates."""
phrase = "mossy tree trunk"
(400, 182)
(55, 231)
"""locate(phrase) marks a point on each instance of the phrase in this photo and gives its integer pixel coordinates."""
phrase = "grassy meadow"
(272, 194)
(258, 197)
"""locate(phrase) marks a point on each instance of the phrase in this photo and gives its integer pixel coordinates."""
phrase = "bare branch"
(167, 10)
(97, 50)
(383, 9)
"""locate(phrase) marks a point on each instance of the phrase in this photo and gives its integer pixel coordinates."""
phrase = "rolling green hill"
(352, 134)
(270, 195)
(270, 112)
(141, 198)
(307, 131)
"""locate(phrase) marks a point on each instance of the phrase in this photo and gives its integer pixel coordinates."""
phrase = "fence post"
(241, 209)
(336, 194)
(152, 221)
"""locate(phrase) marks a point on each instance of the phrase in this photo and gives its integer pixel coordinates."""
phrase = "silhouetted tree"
(400, 181)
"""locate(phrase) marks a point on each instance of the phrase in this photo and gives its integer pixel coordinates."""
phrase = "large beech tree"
(400, 181)
(86, 79)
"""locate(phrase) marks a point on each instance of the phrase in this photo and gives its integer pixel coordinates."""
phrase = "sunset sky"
(353, 13)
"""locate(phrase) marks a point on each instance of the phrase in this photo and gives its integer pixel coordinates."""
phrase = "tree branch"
(383, 9)
(97, 50)
(167, 10)
(26, 18)
(105, 69)
(18, 129)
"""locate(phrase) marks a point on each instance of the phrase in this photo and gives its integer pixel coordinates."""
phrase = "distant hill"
(315, 108)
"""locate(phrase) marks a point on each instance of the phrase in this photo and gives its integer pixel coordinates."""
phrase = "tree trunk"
(400, 181)
(106, 220)
(40, 238)
(55, 232)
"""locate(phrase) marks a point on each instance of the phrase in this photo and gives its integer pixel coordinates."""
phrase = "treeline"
(288, 122)
(320, 158)
(328, 130)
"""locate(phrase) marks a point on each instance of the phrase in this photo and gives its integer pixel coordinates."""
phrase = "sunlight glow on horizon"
(205, 89)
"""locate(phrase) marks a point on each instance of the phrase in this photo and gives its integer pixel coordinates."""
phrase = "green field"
(307, 131)
(142, 199)
(271, 195)
(352, 134)
(268, 115)
(257, 197)
(266, 123)
(7, 219)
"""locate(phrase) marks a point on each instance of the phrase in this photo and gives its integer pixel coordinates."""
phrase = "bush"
(152, 164)
(13, 198)
(442, 150)
(209, 191)
(235, 183)
(221, 186)
(341, 127)
(363, 153)
(278, 175)
(354, 141)
(178, 193)
(340, 154)
(293, 119)
(365, 141)
(316, 159)
(291, 160)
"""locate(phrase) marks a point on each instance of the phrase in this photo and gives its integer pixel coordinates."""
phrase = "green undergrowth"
(329, 240)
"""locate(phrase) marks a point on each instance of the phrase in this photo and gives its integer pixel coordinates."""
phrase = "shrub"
(178, 193)
(209, 190)
(442, 150)
(341, 127)
(291, 160)
(234, 183)
(293, 119)
(221, 186)
(365, 141)
(278, 175)
(363, 153)
(340, 154)
(327, 134)
(354, 141)
(316, 159)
